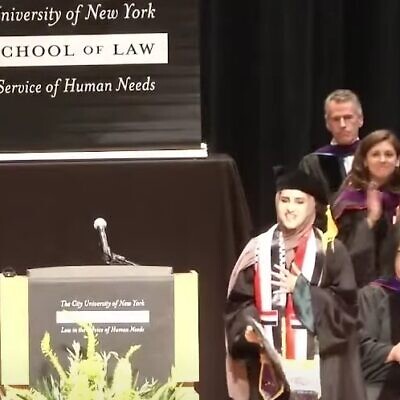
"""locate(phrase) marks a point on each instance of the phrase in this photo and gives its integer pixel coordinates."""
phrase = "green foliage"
(86, 378)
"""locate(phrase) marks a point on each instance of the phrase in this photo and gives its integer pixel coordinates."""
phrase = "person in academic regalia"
(367, 204)
(330, 164)
(379, 305)
(299, 285)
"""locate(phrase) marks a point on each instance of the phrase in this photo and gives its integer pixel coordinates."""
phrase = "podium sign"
(16, 330)
(126, 308)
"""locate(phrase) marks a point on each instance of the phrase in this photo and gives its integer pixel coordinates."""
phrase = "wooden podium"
(127, 305)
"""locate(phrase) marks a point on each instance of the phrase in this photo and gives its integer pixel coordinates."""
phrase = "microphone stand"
(117, 259)
(109, 257)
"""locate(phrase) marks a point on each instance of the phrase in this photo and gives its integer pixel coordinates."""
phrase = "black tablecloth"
(189, 214)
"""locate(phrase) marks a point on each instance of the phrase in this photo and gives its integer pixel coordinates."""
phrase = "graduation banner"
(99, 75)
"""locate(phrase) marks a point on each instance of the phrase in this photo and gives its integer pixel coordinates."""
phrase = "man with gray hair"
(331, 163)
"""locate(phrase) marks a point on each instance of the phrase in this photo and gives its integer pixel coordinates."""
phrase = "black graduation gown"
(366, 246)
(328, 170)
(379, 312)
(333, 309)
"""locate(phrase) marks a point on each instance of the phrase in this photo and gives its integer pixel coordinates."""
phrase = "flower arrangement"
(86, 378)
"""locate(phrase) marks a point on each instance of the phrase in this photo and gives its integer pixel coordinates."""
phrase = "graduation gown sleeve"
(240, 306)
(360, 241)
(375, 335)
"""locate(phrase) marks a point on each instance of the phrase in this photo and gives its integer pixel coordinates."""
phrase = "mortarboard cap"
(299, 180)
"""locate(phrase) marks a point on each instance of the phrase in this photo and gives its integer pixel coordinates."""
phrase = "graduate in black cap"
(299, 285)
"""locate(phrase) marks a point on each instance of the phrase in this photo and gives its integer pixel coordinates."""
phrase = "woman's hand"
(394, 355)
(285, 279)
(374, 205)
(396, 218)
(251, 336)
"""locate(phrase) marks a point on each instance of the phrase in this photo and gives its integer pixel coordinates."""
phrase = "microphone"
(100, 225)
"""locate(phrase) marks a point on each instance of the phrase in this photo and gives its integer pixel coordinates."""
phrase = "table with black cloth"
(189, 214)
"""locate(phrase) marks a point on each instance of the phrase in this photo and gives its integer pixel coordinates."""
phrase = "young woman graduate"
(366, 205)
(379, 305)
(301, 288)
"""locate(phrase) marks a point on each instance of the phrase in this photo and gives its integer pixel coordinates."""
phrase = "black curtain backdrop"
(267, 66)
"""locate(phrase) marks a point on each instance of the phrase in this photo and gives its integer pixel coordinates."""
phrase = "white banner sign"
(32, 51)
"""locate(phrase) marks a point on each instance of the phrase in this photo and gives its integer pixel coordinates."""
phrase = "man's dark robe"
(332, 306)
(326, 165)
(328, 170)
(379, 312)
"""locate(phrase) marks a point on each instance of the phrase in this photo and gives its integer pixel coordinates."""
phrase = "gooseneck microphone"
(100, 225)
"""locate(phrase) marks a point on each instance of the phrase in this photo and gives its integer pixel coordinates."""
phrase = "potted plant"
(86, 377)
